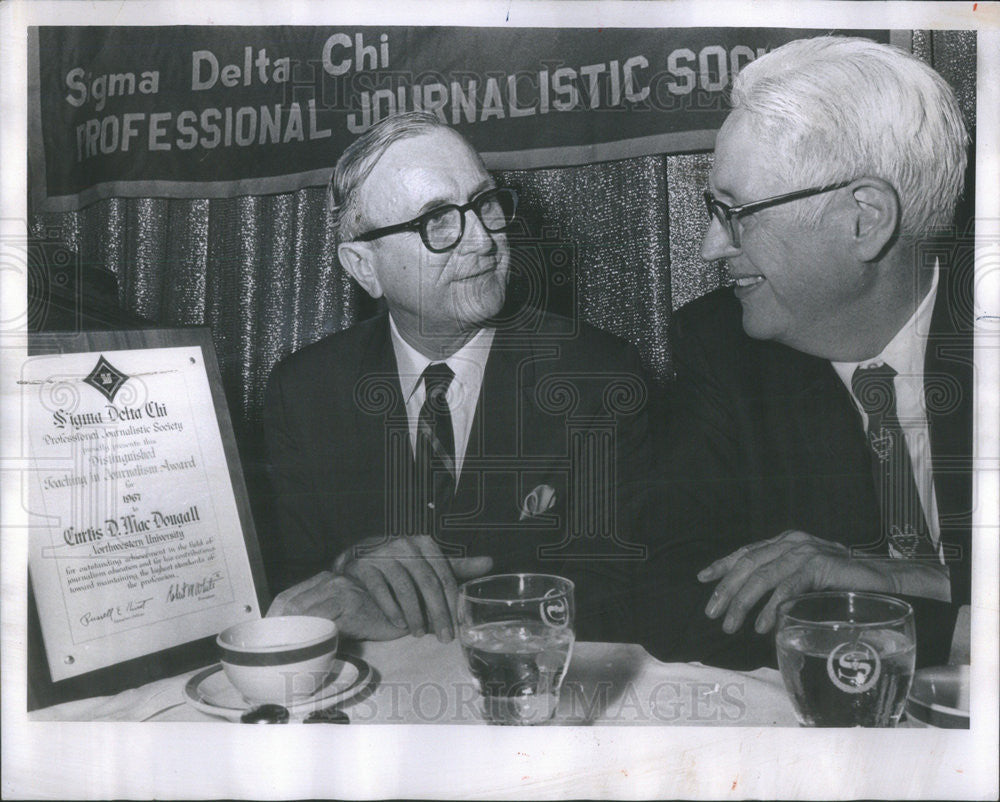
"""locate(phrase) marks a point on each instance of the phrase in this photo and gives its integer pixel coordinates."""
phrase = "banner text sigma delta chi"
(455, 99)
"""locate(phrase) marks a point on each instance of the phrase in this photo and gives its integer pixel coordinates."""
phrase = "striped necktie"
(435, 452)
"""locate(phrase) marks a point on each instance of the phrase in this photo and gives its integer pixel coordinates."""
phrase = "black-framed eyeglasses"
(729, 215)
(442, 228)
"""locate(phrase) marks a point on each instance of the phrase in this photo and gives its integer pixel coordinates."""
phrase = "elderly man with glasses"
(820, 435)
(447, 437)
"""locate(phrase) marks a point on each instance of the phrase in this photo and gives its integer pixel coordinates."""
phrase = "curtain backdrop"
(606, 241)
(616, 242)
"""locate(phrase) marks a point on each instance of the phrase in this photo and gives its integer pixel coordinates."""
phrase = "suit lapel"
(948, 388)
(377, 379)
(381, 416)
(827, 459)
(818, 404)
(496, 431)
(948, 397)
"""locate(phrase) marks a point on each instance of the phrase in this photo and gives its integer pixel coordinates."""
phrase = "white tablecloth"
(419, 680)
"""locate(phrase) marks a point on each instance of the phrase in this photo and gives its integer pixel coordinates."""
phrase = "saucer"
(939, 697)
(210, 691)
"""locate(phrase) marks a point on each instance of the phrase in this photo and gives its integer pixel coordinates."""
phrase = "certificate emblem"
(106, 378)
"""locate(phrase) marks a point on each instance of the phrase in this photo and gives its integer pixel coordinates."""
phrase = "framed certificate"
(140, 534)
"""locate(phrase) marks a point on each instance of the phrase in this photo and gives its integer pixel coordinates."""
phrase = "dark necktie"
(903, 523)
(435, 452)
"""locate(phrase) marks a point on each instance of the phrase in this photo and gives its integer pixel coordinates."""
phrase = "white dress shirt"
(905, 354)
(468, 364)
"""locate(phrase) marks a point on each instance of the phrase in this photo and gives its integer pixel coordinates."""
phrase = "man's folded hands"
(414, 585)
(383, 589)
(340, 599)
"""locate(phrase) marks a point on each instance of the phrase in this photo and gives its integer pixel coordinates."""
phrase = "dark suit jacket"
(559, 406)
(762, 438)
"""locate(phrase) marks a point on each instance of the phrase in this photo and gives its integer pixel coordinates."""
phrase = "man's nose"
(476, 237)
(717, 244)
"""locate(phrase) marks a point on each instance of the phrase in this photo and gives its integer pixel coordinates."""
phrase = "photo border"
(90, 760)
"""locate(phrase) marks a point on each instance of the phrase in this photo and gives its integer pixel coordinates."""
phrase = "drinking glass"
(516, 632)
(846, 658)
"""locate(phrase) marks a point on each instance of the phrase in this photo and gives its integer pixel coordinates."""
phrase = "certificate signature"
(116, 613)
(200, 589)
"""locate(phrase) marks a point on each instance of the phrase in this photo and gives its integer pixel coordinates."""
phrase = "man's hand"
(408, 577)
(795, 562)
(340, 599)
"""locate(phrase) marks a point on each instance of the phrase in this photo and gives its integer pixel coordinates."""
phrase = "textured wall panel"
(691, 276)
(611, 218)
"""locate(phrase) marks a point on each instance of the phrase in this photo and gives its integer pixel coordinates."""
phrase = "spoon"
(330, 715)
(266, 714)
(277, 714)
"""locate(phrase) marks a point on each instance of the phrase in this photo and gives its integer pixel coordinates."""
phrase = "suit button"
(430, 505)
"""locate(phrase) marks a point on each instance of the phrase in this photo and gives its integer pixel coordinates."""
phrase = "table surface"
(422, 681)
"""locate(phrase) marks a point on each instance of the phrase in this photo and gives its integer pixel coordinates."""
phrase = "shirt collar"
(468, 363)
(906, 351)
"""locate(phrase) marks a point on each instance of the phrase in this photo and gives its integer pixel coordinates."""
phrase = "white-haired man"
(821, 421)
(437, 441)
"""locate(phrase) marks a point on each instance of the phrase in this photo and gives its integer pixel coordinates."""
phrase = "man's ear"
(876, 218)
(357, 259)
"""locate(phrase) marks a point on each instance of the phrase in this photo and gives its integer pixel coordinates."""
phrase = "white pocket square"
(539, 500)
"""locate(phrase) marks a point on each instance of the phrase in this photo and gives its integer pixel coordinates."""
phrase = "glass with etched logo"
(846, 658)
(516, 632)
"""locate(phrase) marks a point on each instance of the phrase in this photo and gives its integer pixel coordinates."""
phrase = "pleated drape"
(262, 272)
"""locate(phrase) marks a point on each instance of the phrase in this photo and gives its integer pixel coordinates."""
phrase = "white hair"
(360, 158)
(843, 108)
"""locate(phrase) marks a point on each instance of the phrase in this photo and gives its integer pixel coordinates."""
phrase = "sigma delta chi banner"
(205, 111)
